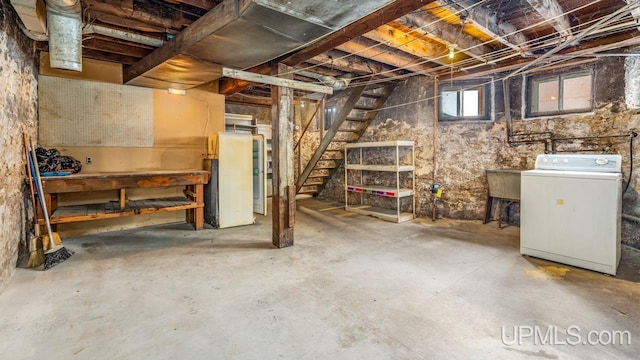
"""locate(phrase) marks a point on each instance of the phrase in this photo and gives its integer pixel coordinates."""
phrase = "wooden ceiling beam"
(110, 57)
(502, 31)
(613, 42)
(114, 47)
(553, 13)
(352, 63)
(110, 19)
(382, 16)
(371, 50)
(238, 99)
(144, 11)
(201, 4)
(430, 26)
(409, 43)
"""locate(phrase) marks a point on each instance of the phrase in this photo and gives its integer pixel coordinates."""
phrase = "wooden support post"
(191, 215)
(123, 199)
(283, 173)
(199, 211)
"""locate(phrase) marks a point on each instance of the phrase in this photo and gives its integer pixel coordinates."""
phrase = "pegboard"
(87, 113)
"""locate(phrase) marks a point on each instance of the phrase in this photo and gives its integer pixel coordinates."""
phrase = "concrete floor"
(351, 287)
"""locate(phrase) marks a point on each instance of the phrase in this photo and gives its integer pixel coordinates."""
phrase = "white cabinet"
(380, 179)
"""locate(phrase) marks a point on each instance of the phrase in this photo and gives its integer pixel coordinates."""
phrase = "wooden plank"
(410, 43)
(173, 208)
(551, 11)
(123, 199)
(199, 211)
(94, 182)
(78, 218)
(384, 54)
(282, 115)
(377, 18)
(430, 26)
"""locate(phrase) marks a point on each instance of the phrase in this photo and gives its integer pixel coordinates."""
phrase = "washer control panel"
(580, 162)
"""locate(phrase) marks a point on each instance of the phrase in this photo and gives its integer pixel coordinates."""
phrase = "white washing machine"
(570, 210)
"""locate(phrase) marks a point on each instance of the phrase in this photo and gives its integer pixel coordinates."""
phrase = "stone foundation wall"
(18, 101)
(464, 150)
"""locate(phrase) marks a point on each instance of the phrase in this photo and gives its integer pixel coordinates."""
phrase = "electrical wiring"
(615, 25)
(495, 56)
(466, 49)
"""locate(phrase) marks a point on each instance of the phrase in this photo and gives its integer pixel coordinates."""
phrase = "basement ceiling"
(369, 40)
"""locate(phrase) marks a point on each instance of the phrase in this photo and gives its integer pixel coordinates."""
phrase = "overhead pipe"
(337, 84)
(64, 25)
(122, 35)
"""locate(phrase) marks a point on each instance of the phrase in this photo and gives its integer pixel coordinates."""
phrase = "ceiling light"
(451, 53)
(174, 91)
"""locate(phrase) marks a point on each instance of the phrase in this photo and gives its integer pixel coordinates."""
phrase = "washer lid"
(580, 162)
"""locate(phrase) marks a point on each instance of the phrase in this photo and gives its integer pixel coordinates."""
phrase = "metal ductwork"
(65, 30)
(337, 84)
(64, 24)
(240, 34)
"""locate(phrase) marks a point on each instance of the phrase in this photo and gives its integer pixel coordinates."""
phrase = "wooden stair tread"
(308, 192)
(372, 95)
(364, 107)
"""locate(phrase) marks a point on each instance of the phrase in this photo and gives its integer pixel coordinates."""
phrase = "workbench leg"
(190, 212)
(199, 211)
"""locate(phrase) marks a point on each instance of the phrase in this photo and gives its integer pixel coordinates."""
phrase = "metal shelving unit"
(394, 165)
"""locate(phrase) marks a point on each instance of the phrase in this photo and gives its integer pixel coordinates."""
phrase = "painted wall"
(181, 125)
(18, 113)
(464, 150)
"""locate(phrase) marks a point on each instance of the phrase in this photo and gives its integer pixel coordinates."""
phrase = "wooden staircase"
(351, 121)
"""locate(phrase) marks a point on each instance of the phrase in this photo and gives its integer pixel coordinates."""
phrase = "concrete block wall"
(18, 104)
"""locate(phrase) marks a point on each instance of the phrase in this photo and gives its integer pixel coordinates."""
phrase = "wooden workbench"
(192, 202)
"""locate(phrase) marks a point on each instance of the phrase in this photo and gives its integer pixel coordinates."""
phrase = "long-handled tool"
(57, 252)
(36, 254)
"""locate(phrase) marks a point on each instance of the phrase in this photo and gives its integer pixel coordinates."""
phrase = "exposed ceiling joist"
(144, 11)
(337, 60)
(432, 27)
(502, 31)
(371, 50)
(410, 43)
(248, 100)
(586, 49)
(115, 47)
(385, 14)
(635, 13)
(111, 19)
(554, 14)
(201, 4)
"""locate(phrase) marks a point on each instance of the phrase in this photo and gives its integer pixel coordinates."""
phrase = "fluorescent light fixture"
(173, 91)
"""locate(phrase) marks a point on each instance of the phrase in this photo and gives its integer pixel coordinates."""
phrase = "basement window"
(464, 100)
(558, 94)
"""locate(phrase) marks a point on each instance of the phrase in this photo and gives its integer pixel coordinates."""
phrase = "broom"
(36, 254)
(57, 252)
